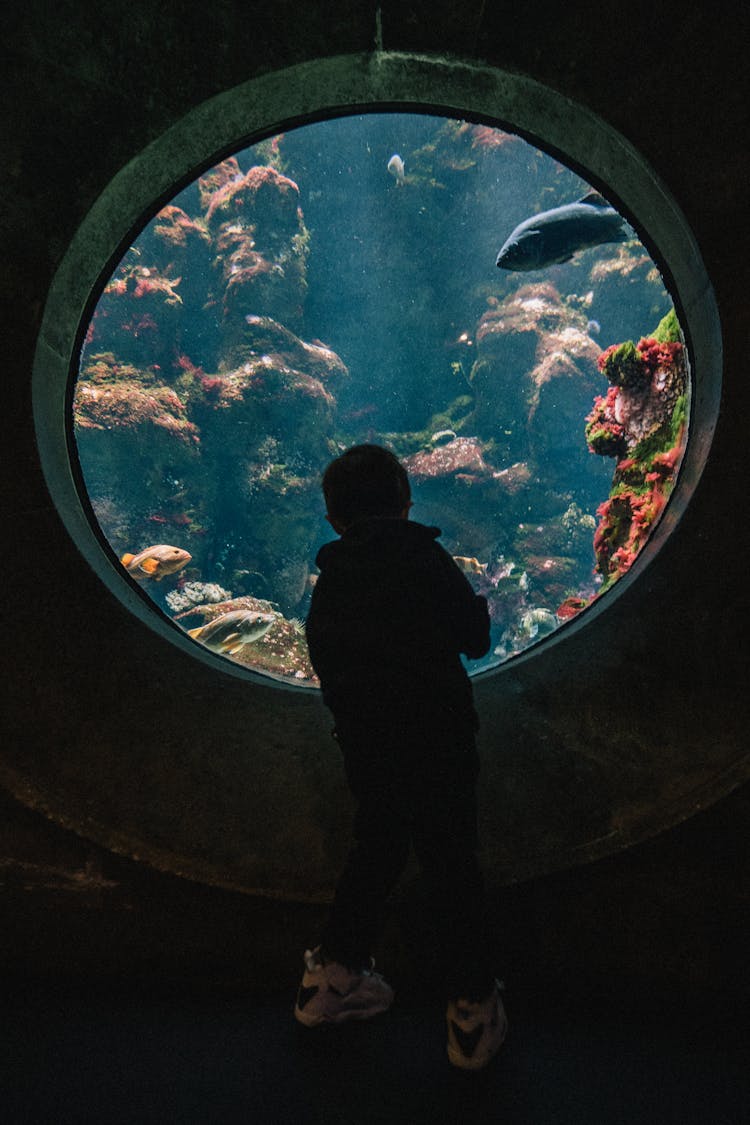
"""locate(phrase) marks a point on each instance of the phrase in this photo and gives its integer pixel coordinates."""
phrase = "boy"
(389, 615)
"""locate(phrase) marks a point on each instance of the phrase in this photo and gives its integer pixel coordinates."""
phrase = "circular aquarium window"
(441, 286)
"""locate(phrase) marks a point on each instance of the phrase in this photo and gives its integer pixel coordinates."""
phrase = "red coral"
(666, 462)
(485, 136)
(174, 226)
(211, 385)
(606, 356)
(604, 434)
(571, 607)
(656, 355)
(237, 192)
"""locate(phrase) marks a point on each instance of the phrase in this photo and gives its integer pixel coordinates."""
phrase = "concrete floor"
(108, 1055)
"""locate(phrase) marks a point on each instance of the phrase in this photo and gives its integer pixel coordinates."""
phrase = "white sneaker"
(476, 1030)
(331, 993)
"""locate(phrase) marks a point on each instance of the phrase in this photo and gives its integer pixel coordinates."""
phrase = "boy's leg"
(377, 857)
(445, 841)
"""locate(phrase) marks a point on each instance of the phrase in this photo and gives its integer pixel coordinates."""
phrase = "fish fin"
(127, 559)
(150, 565)
(230, 641)
(195, 633)
(595, 199)
(233, 650)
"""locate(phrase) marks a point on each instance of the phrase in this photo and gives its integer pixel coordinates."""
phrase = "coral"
(487, 137)
(261, 190)
(668, 330)
(112, 396)
(175, 228)
(571, 607)
(138, 317)
(647, 380)
(642, 422)
(188, 595)
(217, 178)
(604, 435)
(260, 246)
(625, 366)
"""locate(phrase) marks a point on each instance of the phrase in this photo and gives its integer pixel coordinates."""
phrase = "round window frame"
(327, 88)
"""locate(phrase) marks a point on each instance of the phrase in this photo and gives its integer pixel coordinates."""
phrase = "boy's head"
(366, 480)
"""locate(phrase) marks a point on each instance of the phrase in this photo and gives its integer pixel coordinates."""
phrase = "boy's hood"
(378, 537)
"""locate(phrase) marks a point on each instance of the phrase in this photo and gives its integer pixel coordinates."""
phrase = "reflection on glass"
(440, 287)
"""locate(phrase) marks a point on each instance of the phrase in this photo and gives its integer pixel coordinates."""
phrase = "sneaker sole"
(476, 1062)
(315, 1020)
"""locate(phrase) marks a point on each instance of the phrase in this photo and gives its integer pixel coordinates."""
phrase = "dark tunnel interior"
(172, 825)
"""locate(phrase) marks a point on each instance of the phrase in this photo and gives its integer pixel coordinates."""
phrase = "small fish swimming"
(554, 236)
(228, 633)
(470, 565)
(539, 622)
(396, 168)
(156, 562)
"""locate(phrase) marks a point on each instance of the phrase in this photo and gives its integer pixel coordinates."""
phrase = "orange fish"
(470, 566)
(156, 562)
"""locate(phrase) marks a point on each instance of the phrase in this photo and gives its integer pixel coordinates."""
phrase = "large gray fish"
(228, 633)
(554, 236)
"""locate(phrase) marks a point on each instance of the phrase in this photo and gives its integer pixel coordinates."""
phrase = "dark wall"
(90, 700)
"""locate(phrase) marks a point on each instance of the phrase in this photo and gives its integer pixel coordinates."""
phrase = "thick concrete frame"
(537, 755)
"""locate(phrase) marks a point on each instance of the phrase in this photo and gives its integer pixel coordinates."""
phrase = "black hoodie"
(390, 614)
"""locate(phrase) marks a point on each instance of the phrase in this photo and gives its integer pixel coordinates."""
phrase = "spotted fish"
(156, 562)
(228, 633)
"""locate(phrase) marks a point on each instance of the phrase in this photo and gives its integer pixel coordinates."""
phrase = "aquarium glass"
(445, 288)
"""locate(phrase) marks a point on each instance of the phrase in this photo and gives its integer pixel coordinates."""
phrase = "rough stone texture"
(633, 723)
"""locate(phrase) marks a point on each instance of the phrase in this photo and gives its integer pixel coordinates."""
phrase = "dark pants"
(421, 794)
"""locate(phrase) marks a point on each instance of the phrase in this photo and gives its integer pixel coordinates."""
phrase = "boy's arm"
(468, 611)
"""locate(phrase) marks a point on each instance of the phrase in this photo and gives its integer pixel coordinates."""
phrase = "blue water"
(283, 315)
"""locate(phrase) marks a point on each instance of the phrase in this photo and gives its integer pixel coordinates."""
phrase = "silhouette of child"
(390, 614)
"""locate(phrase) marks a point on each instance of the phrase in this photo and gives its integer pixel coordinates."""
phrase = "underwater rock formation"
(259, 245)
(137, 443)
(642, 422)
(625, 291)
(281, 651)
(460, 458)
(534, 377)
(139, 317)
(209, 417)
